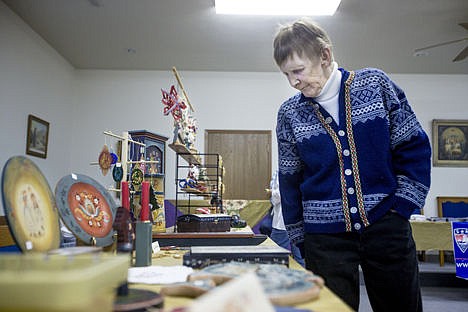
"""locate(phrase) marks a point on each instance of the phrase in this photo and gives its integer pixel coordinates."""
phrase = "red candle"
(125, 196)
(144, 213)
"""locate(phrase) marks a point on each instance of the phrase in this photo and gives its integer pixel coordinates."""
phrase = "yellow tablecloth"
(327, 300)
(254, 211)
(432, 235)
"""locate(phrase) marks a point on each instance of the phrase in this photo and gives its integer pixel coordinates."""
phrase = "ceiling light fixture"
(277, 7)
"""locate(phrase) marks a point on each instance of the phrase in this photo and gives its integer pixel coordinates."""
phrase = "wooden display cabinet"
(154, 155)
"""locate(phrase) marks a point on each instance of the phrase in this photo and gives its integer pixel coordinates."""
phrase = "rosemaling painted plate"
(29, 204)
(87, 209)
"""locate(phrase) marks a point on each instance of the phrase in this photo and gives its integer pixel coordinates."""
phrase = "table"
(430, 235)
(433, 235)
(327, 300)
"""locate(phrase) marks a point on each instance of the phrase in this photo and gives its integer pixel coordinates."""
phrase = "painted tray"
(29, 204)
(86, 208)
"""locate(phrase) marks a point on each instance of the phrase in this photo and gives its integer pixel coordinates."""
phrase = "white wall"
(131, 100)
(81, 104)
(439, 97)
(35, 80)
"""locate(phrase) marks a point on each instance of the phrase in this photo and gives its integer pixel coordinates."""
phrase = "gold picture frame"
(449, 143)
(37, 137)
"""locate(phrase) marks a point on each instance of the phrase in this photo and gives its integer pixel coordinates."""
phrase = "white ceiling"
(187, 34)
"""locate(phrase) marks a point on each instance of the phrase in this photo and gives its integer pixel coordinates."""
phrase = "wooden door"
(247, 161)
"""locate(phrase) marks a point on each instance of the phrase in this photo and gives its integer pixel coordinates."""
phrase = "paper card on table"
(242, 294)
(158, 274)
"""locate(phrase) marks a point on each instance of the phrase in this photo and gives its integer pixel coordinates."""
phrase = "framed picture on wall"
(38, 137)
(449, 143)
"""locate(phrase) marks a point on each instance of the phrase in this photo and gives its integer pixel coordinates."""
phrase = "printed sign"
(460, 248)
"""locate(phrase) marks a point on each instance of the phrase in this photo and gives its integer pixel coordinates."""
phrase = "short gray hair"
(302, 37)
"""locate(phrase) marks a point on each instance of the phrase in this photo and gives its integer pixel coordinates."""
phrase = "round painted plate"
(137, 176)
(86, 208)
(29, 204)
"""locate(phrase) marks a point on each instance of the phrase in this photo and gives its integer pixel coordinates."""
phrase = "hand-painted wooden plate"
(283, 286)
(29, 204)
(87, 209)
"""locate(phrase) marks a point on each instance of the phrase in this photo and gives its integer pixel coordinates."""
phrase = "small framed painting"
(38, 137)
(449, 143)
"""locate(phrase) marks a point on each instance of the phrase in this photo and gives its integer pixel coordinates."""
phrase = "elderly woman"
(354, 164)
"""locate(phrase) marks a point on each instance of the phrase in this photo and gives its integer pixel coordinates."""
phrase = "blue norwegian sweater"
(342, 178)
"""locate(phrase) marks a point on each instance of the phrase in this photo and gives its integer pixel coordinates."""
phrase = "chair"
(451, 207)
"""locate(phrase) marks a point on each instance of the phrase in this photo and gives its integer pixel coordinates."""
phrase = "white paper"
(158, 274)
(242, 294)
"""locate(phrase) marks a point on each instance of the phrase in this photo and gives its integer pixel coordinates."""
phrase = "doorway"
(246, 158)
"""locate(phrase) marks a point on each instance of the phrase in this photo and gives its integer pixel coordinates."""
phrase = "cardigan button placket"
(355, 219)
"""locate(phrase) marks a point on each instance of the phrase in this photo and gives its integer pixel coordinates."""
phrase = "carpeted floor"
(435, 299)
(441, 289)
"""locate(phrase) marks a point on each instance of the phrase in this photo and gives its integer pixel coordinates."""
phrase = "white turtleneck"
(328, 97)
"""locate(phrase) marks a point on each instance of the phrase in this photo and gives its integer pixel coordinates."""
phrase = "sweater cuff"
(405, 207)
